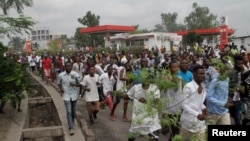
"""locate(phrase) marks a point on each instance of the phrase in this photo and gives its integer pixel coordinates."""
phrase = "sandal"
(113, 118)
(126, 119)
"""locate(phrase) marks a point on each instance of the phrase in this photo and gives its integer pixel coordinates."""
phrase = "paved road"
(106, 130)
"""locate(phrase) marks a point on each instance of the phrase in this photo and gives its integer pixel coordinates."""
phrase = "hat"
(124, 60)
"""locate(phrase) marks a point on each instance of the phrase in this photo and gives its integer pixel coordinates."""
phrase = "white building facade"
(150, 40)
(43, 35)
(242, 40)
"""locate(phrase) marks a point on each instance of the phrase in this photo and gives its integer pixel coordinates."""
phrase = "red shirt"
(59, 63)
(46, 63)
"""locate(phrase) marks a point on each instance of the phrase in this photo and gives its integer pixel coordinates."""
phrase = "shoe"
(71, 132)
(113, 118)
(126, 119)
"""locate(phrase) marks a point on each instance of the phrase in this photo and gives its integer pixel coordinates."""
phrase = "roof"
(206, 31)
(239, 37)
(107, 29)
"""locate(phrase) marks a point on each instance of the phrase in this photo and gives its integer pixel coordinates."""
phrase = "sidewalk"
(12, 122)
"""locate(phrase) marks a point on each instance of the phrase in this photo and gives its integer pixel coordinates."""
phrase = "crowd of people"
(205, 92)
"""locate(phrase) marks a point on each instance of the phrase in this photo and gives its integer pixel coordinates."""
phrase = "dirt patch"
(40, 116)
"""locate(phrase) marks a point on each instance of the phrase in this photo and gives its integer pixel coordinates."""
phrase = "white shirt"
(78, 67)
(114, 66)
(192, 107)
(99, 69)
(91, 82)
(143, 121)
(70, 92)
(120, 84)
(107, 83)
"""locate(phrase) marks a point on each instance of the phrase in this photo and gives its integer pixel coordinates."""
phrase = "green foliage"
(53, 48)
(169, 22)
(12, 77)
(6, 5)
(191, 38)
(201, 17)
(222, 66)
(83, 40)
(10, 25)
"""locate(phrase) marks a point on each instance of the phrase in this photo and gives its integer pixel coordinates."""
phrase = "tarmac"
(12, 122)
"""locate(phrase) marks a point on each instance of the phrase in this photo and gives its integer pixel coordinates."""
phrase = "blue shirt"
(186, 76)
(217, 96)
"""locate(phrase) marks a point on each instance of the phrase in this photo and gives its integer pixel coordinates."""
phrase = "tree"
(17, 43)
(89, 20)
(200, 18)
(82, 40)
(12, 79)
(169, 23)
(6, 5)
(12, 25)
(191, 38)
(35, 46)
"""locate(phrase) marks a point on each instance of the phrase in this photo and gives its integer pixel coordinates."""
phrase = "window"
(33, 32)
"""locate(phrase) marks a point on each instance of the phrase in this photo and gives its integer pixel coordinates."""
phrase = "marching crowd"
(205, 93)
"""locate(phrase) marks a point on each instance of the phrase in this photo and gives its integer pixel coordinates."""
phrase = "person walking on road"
(68, 84)
(144, 121)
(192, 121)
(107, 80)
(90, 83)
(121, 86)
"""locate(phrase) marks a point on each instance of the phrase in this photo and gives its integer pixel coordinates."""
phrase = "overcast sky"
(61, 15)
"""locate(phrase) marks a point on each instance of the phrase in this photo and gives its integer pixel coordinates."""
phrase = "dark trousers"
(235, 112)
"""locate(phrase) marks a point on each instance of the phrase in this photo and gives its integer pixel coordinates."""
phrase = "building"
(148, 40)
(43, 35)
(242, 40)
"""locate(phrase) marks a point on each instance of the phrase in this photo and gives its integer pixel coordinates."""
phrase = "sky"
(61, 15)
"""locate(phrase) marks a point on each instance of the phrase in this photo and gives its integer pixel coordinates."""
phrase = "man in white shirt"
(107, 80)
(192, 119)
(90, 83)
(121, 86)
(78, 67)
(67, 82)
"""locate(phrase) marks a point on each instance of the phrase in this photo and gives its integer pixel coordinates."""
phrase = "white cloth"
(121, 84)
(144, 121)
(70, 92)
(192, 107)
(107, 83)
(91, 83)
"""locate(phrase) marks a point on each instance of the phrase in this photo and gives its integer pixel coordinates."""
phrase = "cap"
(124, 60)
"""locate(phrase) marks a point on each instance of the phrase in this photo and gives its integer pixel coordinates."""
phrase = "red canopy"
(107, 29)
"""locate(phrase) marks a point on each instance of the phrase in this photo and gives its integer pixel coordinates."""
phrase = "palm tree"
(5, 5)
